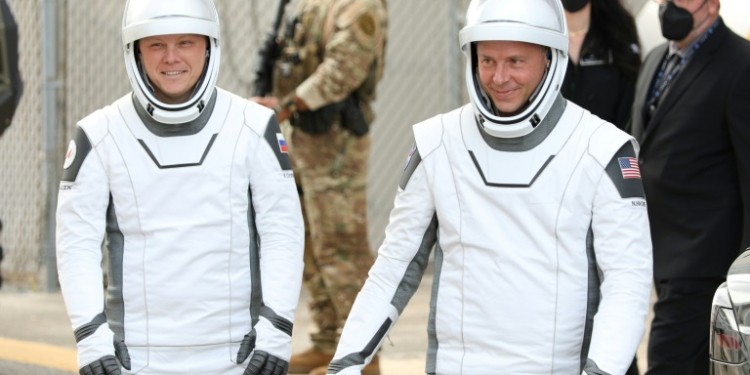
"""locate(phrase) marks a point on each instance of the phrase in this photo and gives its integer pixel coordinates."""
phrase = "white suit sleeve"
(622, 245)
(396, 274)
(81, 218)
(280, 232)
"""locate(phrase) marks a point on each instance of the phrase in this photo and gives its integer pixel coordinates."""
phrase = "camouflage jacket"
(332, 49)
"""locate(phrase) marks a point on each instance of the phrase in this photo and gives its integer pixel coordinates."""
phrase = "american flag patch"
(282, 143)
(629, 167)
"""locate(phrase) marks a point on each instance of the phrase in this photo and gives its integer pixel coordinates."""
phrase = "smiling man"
(537, 211)
(183, 180)
(509, 73)
(173, 63)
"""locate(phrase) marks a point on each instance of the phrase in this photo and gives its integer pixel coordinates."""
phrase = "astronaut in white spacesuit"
(194, 190)
(543, 253)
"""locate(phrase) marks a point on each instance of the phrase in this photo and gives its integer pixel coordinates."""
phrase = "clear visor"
(485, 99)
(145, 82)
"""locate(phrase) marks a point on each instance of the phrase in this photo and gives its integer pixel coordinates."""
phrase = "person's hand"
(282, 113)
(121, 351)
(247, 346)
(104, 366)
(108, 365)
(262, 363)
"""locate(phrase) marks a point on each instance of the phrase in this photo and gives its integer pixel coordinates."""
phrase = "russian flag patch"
(282, 143)
(411, 153)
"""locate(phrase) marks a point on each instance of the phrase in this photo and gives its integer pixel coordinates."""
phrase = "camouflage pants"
(331, 170)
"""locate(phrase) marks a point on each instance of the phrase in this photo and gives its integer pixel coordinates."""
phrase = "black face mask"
(676, 23)
(573, 6)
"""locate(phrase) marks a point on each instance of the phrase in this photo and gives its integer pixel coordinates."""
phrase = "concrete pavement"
(36, 338)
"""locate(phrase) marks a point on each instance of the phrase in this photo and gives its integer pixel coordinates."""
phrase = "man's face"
(703, 13)
(174, 64)
(689, 5)
(698, 8)
(509, 72)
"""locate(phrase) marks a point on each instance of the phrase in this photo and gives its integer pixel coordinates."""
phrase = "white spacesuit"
(203, 225)
(543, 252)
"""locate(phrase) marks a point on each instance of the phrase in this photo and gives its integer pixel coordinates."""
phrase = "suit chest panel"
(175, 180)
(507, 220)
(510, 242)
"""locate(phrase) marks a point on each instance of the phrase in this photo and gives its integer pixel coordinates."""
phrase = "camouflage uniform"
(335, 48)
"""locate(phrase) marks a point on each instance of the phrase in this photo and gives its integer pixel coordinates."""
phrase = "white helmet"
(144, 18)
(539, 22)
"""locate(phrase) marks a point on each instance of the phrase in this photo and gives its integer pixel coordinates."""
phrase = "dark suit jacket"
(695, 158)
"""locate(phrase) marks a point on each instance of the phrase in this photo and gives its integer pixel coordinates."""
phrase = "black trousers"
(633, 370)
(678, 343)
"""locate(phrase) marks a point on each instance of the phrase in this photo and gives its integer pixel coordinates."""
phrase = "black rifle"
(267, 55)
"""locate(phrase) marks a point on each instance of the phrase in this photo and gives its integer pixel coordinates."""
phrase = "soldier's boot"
(309, 360)
(372, 369)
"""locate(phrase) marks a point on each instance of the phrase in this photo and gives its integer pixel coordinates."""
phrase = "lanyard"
(663, 80)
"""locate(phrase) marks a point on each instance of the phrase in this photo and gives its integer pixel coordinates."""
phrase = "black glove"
(262, 363)
(352, 117)
(106, 365)
(121, 351)
(318, 121)
(247, 346)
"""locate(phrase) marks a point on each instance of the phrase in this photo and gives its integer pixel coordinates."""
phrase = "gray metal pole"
(454, 56)
(51, 135)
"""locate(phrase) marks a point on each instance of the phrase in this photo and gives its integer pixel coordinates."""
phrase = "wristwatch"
(288, 102)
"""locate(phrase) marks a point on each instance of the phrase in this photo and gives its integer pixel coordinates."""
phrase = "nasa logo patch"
(70, 156)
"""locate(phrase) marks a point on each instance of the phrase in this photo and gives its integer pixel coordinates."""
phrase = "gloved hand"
(262, 363)
(247, 346)
(121, 351)
(108, 365)
(104, 366)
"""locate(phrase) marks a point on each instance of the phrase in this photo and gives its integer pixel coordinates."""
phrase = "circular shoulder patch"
(70, 156)
(367, 24)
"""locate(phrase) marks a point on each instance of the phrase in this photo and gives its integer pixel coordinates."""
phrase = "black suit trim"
(627, 187)
(82, 147)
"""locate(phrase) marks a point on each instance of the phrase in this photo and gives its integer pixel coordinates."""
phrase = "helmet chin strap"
(204, 73)
(539, 86)
(488, 103)
(141, 71)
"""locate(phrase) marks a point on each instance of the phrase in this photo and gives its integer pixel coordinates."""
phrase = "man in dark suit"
(691, 116)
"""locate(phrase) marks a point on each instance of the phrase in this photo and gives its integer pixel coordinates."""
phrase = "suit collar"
(643, 85)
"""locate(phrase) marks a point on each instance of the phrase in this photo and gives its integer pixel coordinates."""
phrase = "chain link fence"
(87, 73)
(423, 77)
